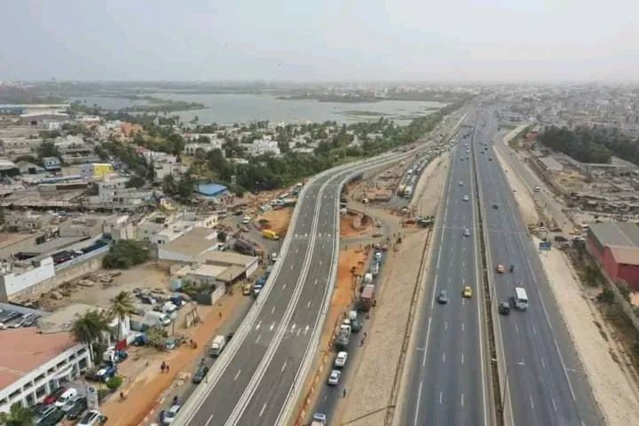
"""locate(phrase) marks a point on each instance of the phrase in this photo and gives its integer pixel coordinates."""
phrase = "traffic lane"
(240, 370)
(300, 327)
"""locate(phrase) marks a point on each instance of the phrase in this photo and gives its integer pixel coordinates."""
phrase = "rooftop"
(552, 164)
(192, 243)
(24, 350)
(62, 319)
(211, 189)
(226, 258)
(616, 234)
(625, 256)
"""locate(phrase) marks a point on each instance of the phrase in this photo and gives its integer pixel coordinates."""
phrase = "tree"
(17, 416)
(89, 328)
(124, 254)
(122, 306)
(169, 185)
(48, 149)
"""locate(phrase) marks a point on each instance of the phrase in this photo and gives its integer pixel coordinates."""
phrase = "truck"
(401, 189)
(218, 345)
(289, 201)
(408, 191)
(343, 339)
(368, 278)
(375, 268)
(270, 235)
(366, 297)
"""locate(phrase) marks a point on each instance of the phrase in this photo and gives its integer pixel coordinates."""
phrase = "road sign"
(545, 246)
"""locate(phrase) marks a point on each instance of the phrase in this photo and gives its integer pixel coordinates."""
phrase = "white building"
(263, 146)
(187, 247)
(16, 280)
(32, 365)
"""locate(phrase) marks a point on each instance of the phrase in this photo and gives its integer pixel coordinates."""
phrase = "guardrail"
(197, 398)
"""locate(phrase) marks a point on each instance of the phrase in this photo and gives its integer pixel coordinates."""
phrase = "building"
(187, 247)
(15, 280)
(238, 265)
(551, 164)
(8, 168)
(52, 164)
(211, 189)
(263, 146)
(616, 247)
(95, 170)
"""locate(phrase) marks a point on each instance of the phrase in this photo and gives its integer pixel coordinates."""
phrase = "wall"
(69, 273)
(21, 244)
(15, 283)
(174, 256)
(630, 274)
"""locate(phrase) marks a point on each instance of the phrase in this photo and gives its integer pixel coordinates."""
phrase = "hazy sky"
(307, 40)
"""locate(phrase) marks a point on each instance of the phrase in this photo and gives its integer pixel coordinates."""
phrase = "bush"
(125, 254)
(114, 382)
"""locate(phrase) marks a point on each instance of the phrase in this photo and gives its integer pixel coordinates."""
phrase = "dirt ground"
(146, 388)
(526, 204)
(371, 387)
(611, 387)
(147, 275)
(278, 220)
(351, 262)
(430, 186)
(599, 353)
(354, 225)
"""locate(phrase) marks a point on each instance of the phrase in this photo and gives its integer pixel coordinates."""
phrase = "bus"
(521, 299)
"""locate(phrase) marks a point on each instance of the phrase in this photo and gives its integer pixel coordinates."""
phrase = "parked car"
(170, 414)
(340, 359)
(53, 396)
(93, 418)
(78, 408)
(200, 374)
(333, 378)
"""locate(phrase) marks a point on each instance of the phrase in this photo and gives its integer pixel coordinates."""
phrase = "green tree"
(17, 416)
(169, 185)
(89, 328)
(48, 149)
(124, 254)
(121, 306)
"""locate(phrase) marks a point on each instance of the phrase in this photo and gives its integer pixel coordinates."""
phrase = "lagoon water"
(238, 108)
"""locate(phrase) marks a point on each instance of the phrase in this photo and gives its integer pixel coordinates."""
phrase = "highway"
(448, 372)
(253, 382)
(544, 383)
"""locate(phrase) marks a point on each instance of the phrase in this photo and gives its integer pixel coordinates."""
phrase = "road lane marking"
(462, 359)
(284, 286)
(443, 357)
(262, 410)
(308, 305)
(462, 399)
(427, 338)
(554, 406)
(419, 397)
(257, 327)
(463, 326)
(441, 397)
(532, 404)
(272, 326)
(445, 325)
(543, 364)
(273, 310)
(258, 339)
(237, 375)
(284, 366)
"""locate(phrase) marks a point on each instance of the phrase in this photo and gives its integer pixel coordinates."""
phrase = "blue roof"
(211, 189)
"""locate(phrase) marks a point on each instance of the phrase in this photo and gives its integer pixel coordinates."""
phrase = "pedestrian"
(163, 366)
(344, 393)
(167, 368)
(220, 315)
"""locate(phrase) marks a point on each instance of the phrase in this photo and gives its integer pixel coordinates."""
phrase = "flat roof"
(192, 243)
(552, 164)
(62, 319)
(618, 234)
(24, 349)
(625, 255)
(227, 258)
(53, 245)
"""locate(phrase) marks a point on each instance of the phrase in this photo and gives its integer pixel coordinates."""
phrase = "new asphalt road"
(449, 373)
(545, 384)
(255, 385)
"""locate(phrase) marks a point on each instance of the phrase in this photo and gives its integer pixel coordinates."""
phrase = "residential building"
(263, 146)
(95, 170)
(52, 164)
(189, 246)
(8, 168)
(20, 221)
(616, 246)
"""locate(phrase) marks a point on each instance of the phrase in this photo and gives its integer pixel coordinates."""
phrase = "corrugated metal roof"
(625, 255)
(619, 234)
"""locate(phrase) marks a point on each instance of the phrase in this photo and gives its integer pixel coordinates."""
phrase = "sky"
(320, 40)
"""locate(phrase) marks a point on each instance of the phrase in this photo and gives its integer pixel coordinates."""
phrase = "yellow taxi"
(246, 289)
(467, 292)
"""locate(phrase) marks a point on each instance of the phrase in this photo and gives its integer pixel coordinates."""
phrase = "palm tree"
(89, 328)
(122, 306)
(17, 416)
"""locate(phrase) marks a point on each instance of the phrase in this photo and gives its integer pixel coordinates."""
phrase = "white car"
(170, 414)
(465, 198)
(67, 396)
(340, 359)
(333, 379)
(466, 232)
(461, 183)
(92, 418)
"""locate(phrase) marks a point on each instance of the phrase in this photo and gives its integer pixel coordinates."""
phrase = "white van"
(68, 395)
(218, 345)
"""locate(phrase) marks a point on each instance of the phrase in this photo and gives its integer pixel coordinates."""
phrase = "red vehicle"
(53, 396)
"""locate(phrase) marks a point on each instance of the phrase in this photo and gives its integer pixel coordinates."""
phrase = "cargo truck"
(218, 345)
(400, 190)
(366, 297)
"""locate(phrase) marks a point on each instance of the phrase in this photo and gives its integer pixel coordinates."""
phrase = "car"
(500, 269)
(467, 292)
(93, 418)
(200, 374)
(171, 414)
(333, 378)
(378, 235)
(443, 297)
(490, 158)
(461, 183)
(53, 418)
(465, 198)
(71, 402)
(246, 220)
(495, 206)
(53, 396)
(320, 417)
(340, 359)
(66, 396)
(504, 308)
(77, 409)
(466, 232)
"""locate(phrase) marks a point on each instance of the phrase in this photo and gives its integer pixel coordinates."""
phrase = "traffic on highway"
(451, 375)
